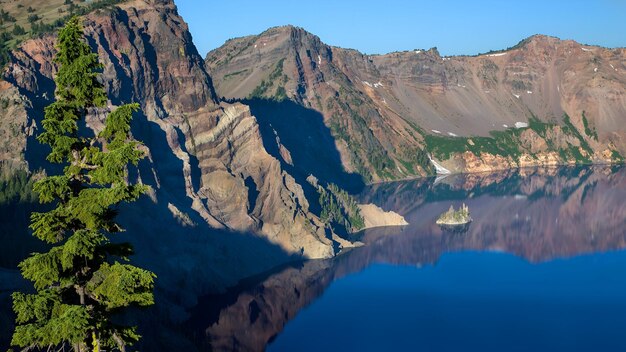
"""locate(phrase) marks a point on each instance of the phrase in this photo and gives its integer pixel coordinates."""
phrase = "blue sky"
(374, 27)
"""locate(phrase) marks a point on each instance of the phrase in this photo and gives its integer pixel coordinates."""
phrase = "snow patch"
(585, 49)
(418, 51)
(436, 131)
(440, 169)
(520, 124)
(595, 69)
(529, 92)
(612, 66)
(367, 83)
(319, 60)
(255, 45)
(445, 59)
(499, 54)
(516, 95)
(505, 126)
(378, 84)
(452, 134)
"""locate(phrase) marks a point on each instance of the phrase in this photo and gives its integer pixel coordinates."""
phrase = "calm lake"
(541, 268)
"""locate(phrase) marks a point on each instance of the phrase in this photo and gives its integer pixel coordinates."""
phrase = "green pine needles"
(84, 280)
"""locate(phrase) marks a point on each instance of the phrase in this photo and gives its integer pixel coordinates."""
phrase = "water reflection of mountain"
(536, 214)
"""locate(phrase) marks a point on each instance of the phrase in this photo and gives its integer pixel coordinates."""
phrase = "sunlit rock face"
(205, 158)
(386, 111)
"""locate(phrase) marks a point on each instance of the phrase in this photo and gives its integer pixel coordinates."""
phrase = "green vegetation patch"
(17, 188)
(18, 23)
(361, 143)
(591, 132)
(617, 157)
(261, 90)
(505, 143)
(340, 208)
(233, 74)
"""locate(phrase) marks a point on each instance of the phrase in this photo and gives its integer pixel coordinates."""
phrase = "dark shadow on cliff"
(309, 141)
(189, 260)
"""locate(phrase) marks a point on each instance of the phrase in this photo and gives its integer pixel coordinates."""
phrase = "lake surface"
(541, 268)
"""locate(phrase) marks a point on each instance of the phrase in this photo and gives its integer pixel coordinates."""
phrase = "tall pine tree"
(84, 280)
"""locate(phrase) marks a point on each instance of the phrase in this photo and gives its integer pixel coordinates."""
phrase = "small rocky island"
(453, 217)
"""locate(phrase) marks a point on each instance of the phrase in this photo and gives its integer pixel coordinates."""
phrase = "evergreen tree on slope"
(84, 280)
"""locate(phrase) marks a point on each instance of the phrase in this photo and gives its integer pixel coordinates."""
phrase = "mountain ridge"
(404, 101)
(519, 44)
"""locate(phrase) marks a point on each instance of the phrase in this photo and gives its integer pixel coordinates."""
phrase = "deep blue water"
(478, 301)
(541, 268)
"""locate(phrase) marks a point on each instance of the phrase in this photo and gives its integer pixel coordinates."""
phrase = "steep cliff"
(543, 102)
(207, 159)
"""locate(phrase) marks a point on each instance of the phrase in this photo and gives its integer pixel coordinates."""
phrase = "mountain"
(207, 159)
(249, 182)
(221, 207)
(544, 101)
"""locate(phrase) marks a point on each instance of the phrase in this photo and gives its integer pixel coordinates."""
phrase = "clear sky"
(374, 27)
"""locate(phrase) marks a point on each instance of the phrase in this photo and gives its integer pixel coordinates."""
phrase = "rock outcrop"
(205, 157)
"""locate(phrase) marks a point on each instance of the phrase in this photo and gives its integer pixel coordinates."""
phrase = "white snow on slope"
(436, 131)
(520, 124)
(440, 169)
(319, 60)
(452, 134)
(585, 49)
(499, 54)
(515, 95)
(378, 84)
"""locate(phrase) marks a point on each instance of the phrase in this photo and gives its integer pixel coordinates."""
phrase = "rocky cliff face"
(207, 160)
(542, 102)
